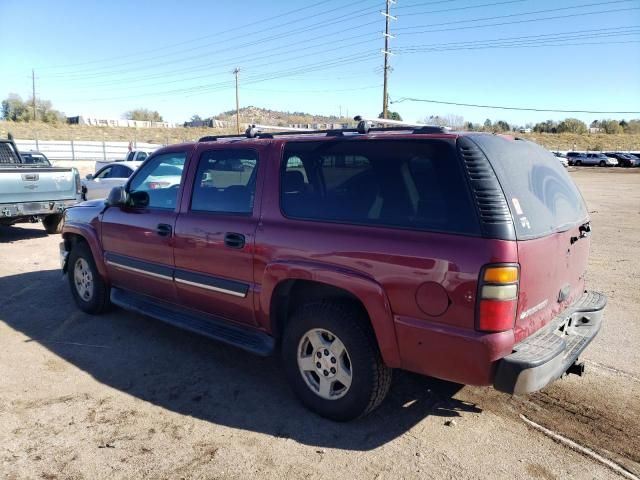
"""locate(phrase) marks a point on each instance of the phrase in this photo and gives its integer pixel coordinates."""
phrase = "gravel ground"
(124, 396)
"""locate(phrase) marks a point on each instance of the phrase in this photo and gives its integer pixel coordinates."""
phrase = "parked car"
(576, 158)
(33, 191)
(35, 158)
(579, 158)
(562, 159)
(100, 184)
(132, 156)
(624, 159)
(600, 159)
(353, 255)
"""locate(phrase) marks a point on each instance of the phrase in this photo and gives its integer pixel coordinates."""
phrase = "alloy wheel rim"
(83, 279)
(324, 363)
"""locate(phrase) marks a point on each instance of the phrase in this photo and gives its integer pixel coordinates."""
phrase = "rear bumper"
(547, 354)
(27, 209)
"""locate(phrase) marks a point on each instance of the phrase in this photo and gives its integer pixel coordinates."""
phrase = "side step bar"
(248, 339)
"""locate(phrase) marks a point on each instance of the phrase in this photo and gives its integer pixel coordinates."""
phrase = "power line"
(522, 109)
(174, 45)
(511, 15)
(99, 71)
(350, 59)
(512, 22)
(516, 42)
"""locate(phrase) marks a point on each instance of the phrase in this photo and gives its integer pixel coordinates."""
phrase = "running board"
(248, 339)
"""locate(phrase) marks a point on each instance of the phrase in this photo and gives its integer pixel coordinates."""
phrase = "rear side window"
(225, 182)
(415, 184)
(542, 196)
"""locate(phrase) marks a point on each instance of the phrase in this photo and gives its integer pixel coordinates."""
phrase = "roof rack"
(365, 125)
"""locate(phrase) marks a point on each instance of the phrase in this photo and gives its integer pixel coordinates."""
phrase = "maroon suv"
(456, 255)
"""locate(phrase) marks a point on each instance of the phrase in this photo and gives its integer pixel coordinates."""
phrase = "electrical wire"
(500, 107)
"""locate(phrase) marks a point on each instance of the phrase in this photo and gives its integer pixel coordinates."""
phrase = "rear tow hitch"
(576, 369)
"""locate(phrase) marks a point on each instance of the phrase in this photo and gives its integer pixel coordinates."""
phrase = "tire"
(330, 325)
(53, 223)
(88, 288)
(578, 163)
(603, 163)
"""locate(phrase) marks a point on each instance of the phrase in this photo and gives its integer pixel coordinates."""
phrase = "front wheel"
(603, 163)
(88, 288)
(332, 361)
(578, 163)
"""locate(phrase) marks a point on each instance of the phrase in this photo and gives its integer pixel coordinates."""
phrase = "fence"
(83, 149)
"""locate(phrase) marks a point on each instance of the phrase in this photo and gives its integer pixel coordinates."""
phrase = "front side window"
(104, 173)
(225, 182)
(120, 171)
(160, 180)
(405, 184)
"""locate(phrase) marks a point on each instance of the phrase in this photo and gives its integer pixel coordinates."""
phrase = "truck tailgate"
(36, 184)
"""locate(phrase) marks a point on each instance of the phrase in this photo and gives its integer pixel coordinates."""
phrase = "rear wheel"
(88, 288)
(53, 223)
(332, 361)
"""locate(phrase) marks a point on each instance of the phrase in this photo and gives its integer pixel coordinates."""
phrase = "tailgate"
(18, 184)
(552, 270)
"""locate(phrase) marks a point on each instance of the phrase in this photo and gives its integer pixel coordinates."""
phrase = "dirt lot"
(124, 396)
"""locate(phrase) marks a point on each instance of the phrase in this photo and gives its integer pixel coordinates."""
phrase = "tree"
(391, 116)
(487, 124)
(546, 127)
(195, 118)
(611, 126)
(16, 110)
(572, 125)
(633, 126)
(502, 126)
(143, 114)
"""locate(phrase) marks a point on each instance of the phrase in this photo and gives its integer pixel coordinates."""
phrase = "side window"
(225, 182)
(417, 185)
(104, 173)
(160, 180)
(120, 171)
(142, 156)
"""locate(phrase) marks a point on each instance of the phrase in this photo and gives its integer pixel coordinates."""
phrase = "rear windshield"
(8, 154)
(542, 196)
(411, 184)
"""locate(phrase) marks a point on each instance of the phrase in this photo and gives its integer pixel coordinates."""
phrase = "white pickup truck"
(132, 156)
(29, 192)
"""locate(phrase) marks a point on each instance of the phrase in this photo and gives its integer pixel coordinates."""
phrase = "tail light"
(155, 185)
(497, 298)
(76, 176)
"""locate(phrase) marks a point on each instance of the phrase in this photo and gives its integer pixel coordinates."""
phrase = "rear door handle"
(164, 230)
(234, 240)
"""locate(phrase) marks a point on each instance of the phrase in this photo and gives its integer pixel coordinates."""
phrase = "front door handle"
(234, 240)
(164, 230)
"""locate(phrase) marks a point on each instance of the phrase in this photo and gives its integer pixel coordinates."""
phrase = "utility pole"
(236, 71)
(386, 52)
(33, 86)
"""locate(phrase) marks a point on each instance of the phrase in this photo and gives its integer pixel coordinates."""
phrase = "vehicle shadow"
(194, 376)
(15, 233)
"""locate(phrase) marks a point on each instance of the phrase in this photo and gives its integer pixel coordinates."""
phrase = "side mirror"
(139, 199)
(89, 176)
(117, 197)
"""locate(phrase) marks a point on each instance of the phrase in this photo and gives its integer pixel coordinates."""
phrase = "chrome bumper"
(26, 209)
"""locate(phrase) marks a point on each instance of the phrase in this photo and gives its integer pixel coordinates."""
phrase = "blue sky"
(105, 57)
